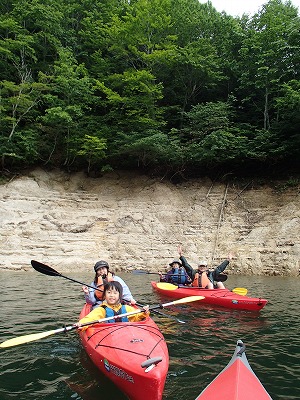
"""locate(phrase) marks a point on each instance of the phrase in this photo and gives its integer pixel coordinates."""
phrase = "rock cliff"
(133, 221)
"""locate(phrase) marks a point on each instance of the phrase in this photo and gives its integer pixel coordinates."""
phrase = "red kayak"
(219, 297)
(133, 355)
(237, 381)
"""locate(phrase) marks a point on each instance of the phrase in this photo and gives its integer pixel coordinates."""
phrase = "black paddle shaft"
(45, 269)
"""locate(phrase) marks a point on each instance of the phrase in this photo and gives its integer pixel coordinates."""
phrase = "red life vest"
(201, 280)
(100, 285)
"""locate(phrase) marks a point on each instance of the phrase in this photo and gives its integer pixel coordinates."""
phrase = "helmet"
(100, 264)
(175, 262)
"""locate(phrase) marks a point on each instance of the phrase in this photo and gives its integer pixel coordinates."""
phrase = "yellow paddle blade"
(240, 290)
(187, 299)
(26, 339)
(166, 286)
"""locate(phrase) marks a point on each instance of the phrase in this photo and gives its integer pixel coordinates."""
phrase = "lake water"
(58, 368)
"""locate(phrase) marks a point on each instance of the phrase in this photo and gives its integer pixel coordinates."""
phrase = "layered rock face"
(71, 221)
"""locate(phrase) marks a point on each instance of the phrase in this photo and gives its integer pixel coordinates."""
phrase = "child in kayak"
(112, 307)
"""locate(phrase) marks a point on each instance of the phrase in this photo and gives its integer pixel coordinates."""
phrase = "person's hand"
(179, 249)
(146, 309)
(85, 289)
(230, 256)
(162, 277)
(77, 324)
(133, 302)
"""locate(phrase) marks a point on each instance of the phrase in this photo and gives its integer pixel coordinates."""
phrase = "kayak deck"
(133, 355)
(236, 381)
(220, 297)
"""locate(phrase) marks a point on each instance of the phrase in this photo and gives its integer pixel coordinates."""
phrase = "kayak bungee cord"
(112, 329)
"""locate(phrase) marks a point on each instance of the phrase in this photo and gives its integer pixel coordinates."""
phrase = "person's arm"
(187, 267)
(127, 296)
(169, 276)
(97, 313)
(89, 294)
(164, 277)
(188, 278)
(189, 270)
(138, 317)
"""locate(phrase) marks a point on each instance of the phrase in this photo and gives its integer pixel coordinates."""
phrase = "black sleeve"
(189, 270)
(220, 268)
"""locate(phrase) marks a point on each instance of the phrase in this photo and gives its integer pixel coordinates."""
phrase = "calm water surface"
(58, 368)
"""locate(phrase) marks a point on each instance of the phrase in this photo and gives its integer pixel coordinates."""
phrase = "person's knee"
(220, 285)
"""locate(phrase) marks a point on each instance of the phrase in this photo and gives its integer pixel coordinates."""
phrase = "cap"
(100, 264)
(202, 263)
(175, 262)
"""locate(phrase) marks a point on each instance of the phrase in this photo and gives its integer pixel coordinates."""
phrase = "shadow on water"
(58, 368)
(92, 384)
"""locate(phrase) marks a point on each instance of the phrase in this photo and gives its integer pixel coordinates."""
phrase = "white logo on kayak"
(117, 371)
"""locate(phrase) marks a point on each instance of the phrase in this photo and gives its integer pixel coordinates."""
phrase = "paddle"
(240, 290)
(170, 286)
(141, 271)
(220, 278)
(36, 336)
(163, 314)
(45, 269)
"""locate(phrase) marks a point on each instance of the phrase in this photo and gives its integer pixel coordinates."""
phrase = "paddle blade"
(166, 286)
(26, 339)
(44, 269)
(141, 271)
(240, 290)
(184, 300)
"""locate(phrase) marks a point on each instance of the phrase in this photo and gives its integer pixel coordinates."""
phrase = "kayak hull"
(119, 350)
(236, 381)
(217, 297)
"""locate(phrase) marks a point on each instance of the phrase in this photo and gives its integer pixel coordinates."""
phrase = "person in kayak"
(177, 274)
(94, 295)
(112, 307)
(202, 276)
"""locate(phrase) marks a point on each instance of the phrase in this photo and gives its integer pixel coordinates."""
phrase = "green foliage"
(209, 117)
(92, 148)
(153, 149)
(131, 101)
(167, 85)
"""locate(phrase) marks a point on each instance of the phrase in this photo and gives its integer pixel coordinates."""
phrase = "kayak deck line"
(111, 331)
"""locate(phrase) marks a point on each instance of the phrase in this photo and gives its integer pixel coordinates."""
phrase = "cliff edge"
(133, 221)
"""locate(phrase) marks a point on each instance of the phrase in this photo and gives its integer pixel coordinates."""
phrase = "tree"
(268, 60)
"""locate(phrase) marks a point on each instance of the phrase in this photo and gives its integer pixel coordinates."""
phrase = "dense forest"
(167, 86)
